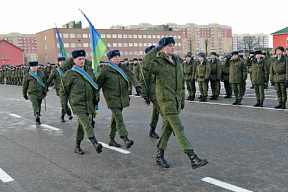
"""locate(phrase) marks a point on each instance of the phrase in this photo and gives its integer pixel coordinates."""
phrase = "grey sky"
(245, 16)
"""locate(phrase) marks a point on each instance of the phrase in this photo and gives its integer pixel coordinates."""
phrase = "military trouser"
(130, 88)
(189, 87)
(203, 88)
(250, 74)
(281, 91)
(244, 87)
(228, 88)
(155, 114)
(172, 123)
(36, 104)
(259, 91)
(63, 101)
(215, 86)
(238, 90)
(117, 124)
(84, 125)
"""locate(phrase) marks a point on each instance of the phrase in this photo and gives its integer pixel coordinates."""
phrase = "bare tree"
(206, 46)
(250, 43)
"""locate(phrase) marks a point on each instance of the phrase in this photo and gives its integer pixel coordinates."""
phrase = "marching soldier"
(202, 76)
(170, 93)
(114, 82)
(83, 93)
(136, 70)
(34, 85)
(279, 76)
(148, 92)
(215, 76)
(189, 71)
(57, 75)
(237, 75)
(259, 72)
(1, 76)
(225, 79)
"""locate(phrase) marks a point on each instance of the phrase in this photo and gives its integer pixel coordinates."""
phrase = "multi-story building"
(248, 42)
(27, 42)
(280, 38)
(10, 55)
(131, 43)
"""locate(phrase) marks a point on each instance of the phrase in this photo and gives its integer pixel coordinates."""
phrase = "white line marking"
(115, 148)
(224, 185)
(5, 177)
(50, 127)
(14, 115)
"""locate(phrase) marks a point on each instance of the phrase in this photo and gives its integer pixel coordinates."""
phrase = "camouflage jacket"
(33, 87)
(189, 70)
(202, 71)
(260, 71)
(215, 74)
(279, 70)
(237, 70)
(55, 75)
(169, 79)
(148, 85)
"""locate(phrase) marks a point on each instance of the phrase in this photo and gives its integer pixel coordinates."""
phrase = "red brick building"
(10, 54)
(280, 38)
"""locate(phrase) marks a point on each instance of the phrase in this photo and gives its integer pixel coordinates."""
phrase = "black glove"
(272, 83)
(147, 100)
(138, 90)
(182, 106)
(96, 100)
(206, 80)
(26, 97)
(286, 83)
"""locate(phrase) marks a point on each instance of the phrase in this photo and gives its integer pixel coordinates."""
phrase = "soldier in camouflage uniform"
(189, 71)
(251, 55)
(215, 76)
(114, 82)
(57, 75)
(170, 93)
(225, 79)
(34, 85)
(83, 93)
(279, 76)
(136, 69)
(202, 75)
(260, 73)
(1, 76)
(237, 75)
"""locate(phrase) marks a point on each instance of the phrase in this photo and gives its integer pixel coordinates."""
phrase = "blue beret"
(113, 53)
(78, 53)
(33, 63)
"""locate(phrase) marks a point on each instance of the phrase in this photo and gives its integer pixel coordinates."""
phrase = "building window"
(66, 44)
(65, 35)
(287, 41)
(145, 44)
(3, 46)
(45, 46)
(135, 36)
(108, 35)
(103, 36)
(79, 35)
(121, 53)
(125, 44)
(4, 57)
(158, 36)
(130, 44)
(72, 35)
(114, 36)
(125, 52)
(44, 37)
(144, 36)
(108, 44)
(120, 45)
(149, 36)
(130, 36)
(140, 52)
(46, 56)
(72, 44)
(68, 54)
(114, 44)
(130, 52)
(85, 35)
(85, 44)
(140, 44)
(135, 44)
(154, 36)
(79, 44)
(135, 52)
(58, 45)
(140, 36)
(125, 36)
(149, 44)
(87, 54)
(119, 35)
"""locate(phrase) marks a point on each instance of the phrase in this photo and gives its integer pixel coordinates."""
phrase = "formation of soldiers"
(159, 79)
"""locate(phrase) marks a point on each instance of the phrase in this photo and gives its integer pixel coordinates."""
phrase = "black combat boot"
(283, 105)
(96, 145)
(235, 102)
(62, 118)
(200, 97)
(205, 99)
(258, 103)
(261, 103)
(252, 87)
(160, 159)
(113, 143)
(278, 106)
(189, 97)
(212, 97)
(192, 98)
(239, 102)
(127, 142)
(228, 96)
(195, 161)
(216, 97)
(69, 114)
(153, 134)
(38, 118)
(77, 148)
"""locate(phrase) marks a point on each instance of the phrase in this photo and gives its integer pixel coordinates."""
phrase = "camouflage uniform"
(225, 79)
(189, 71)
(202, 76)
(215, 76)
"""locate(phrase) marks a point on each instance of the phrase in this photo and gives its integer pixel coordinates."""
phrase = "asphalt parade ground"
(246, 148)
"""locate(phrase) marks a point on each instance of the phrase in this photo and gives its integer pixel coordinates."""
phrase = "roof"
(11, 44)
(282, 31)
